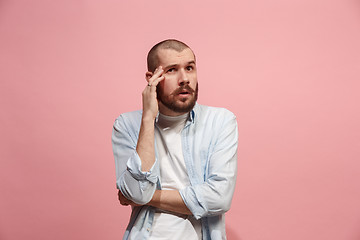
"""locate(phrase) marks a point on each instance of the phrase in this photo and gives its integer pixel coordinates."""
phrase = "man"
(175, 160)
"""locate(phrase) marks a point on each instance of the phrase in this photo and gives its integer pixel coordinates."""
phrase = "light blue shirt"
(209, 142)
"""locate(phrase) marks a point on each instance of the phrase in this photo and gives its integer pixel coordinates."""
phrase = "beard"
(185, 105)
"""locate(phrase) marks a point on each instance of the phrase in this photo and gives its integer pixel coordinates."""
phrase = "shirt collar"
(192, 114)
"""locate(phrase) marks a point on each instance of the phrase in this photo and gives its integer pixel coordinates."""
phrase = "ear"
(148, 75)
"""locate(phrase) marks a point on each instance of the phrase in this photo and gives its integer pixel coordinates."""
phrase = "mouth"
(184, 91)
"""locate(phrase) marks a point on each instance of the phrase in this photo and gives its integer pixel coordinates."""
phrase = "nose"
(183, 78)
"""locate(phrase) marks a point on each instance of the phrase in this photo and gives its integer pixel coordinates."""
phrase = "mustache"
(183, 88)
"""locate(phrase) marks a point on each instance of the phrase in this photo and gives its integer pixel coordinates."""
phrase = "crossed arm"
(169, 200)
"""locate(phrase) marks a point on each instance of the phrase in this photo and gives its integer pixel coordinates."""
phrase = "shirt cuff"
(193, 202)
(134, 167)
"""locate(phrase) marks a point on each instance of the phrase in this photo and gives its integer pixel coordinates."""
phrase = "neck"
(168, 112)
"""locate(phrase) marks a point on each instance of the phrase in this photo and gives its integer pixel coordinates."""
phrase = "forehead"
(171, 56)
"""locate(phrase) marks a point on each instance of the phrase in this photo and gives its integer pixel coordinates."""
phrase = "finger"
(124, 203)
(156, 81)
(152, 85)
(158, 72)
(120, 196)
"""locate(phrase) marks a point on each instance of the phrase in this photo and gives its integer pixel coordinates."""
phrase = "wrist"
(155, 199)
(148, 118)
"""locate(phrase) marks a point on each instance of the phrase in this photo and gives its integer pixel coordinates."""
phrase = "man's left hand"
(124, 201)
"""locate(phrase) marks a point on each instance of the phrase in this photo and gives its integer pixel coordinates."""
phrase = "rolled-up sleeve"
(135, 185)
(214, 195)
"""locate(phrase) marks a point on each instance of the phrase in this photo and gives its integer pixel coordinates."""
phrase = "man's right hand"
(150, 103)
(146, 144)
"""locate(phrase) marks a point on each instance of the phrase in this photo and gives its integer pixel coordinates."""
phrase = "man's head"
(177, 93)
(153, 58)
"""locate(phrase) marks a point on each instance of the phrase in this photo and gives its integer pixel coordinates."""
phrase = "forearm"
(209, 198)
(169, 200)
(146, 143)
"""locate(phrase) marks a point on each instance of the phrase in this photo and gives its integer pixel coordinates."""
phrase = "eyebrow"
(174, 65)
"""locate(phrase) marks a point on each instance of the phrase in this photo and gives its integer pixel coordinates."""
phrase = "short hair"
(152, 57)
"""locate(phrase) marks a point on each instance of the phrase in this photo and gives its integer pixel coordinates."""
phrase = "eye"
(189, 68)
(170, 70)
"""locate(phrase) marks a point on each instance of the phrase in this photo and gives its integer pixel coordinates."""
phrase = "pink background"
(289, 70)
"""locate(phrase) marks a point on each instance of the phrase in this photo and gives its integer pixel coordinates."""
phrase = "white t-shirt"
(173, 175)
